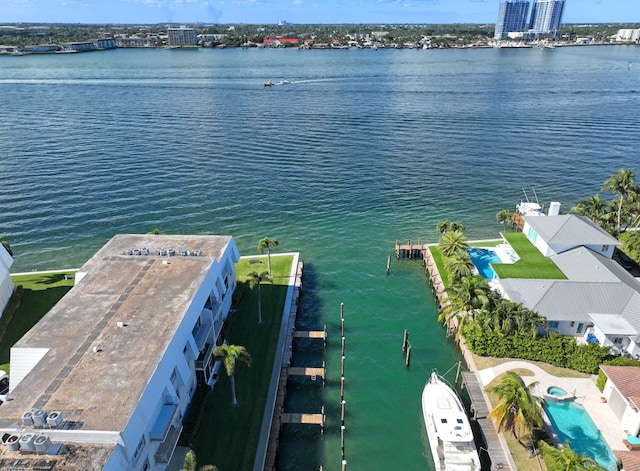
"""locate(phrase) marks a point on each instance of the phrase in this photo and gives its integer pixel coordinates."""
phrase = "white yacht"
(450, 435)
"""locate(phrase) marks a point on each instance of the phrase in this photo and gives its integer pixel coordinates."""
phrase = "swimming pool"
(482, 258)
(571, 422)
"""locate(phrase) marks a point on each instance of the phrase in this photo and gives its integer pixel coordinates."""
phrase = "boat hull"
(450, 436)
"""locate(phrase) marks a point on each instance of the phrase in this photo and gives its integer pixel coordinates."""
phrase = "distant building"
(182, 36)
(628, 36)
(512, 17)
(104, 379)
(6, 285)
(546, 19)
(135, 42)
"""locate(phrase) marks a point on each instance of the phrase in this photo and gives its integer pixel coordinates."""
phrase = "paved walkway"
(585, 390)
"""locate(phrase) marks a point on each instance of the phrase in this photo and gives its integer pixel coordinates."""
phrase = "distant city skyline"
(296, 11)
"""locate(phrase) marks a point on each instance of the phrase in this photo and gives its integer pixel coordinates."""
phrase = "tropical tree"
(445, 226)
(267, 243)
(563, 458)
(256, 279)
(465, 298)
(503, 217)
(5, 243)
(517, 411)
(459, 266)
(593, 207)
(510, 317)
(191, 464)
(155, 231)
(623, 183)
(452, 242)
(230, 355)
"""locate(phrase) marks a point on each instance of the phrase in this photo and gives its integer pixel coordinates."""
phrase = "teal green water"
(360, 149)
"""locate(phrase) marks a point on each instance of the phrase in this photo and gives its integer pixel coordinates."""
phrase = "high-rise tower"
(512, 16)
(546, 18)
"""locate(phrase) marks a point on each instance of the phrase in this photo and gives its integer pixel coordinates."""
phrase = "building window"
(533, 235)
(605, 248)
(580, 328)
(617, 340)
(553, 324)
(146, 466)
(138, 450)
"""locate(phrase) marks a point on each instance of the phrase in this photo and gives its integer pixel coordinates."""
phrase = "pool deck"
(585, 390)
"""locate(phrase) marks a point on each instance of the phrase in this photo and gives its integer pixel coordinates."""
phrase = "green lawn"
(41, 292)
(486, 243)
(439, 261)
(228, 435)
(532, 263)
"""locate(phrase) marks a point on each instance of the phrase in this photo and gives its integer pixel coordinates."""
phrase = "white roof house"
(599, 300)
(113, 365)
(6, 285)
(556, 234)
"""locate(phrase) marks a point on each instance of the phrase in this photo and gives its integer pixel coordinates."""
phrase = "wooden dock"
(310, 419)
(480, 409)
(280, 417)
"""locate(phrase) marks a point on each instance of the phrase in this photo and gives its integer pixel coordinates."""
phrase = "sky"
(295, 11)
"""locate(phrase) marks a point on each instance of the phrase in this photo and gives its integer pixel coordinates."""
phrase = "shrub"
(551, 348)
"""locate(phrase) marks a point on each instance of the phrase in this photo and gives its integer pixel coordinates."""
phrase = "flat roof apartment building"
(102, 382)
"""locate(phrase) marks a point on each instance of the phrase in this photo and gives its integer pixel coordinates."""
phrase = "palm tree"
(5, 243)
(446, 226)
(563, 458)
(190, 463)
(459, 266)
(231, 354)
(593, 207)
(452, 242)
(465, 298)
(257, 279)
(266, 243)
(509, 317)
(518, 410)
(623, 182)
(503, 217)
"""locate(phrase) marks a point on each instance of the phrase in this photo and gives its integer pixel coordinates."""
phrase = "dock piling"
(405, 341)
(408, 360)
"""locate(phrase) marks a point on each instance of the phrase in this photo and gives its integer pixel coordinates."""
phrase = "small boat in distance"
(268, 83)
(448, 428)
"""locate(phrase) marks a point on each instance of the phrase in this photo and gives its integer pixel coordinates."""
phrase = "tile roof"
(630, 459)
(625, 378)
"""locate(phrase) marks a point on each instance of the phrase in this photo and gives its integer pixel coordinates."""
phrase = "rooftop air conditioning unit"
(13, 442)
(42, 443)
(39, 417)
(27, 418)
(26, 442)
(54, 419)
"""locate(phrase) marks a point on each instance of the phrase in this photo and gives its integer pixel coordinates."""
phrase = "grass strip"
(40, 292)
(228, 435)
(532, 263)
(438, 259)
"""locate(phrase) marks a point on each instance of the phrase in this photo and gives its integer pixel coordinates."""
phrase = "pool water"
(556, 391)
(482, 258)
(571, 422)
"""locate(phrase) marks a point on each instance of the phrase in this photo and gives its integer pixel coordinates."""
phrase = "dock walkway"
(495, 445)
(279, 416)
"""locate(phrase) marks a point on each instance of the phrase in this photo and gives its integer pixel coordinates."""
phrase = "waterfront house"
(6, 285)
(598, 302)
(105, 378)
